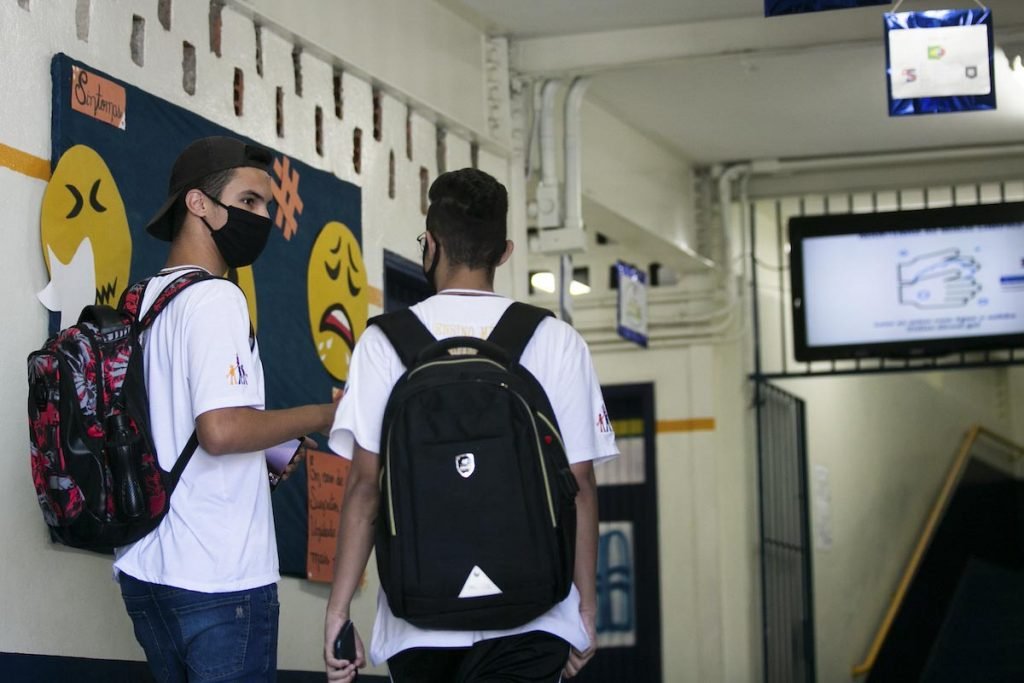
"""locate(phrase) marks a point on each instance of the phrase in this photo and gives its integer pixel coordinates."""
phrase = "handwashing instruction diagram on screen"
(942, 279)
(914, 284)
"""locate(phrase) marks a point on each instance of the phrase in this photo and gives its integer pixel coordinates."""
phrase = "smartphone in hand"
(345, 642)
(280, 457)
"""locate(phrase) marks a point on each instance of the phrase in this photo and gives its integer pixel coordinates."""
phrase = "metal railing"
(1010, 453)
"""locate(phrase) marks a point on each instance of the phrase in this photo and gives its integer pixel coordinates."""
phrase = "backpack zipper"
(554, 430)
(473, 359)
(391, 501)
(540, 454)
(101, 411)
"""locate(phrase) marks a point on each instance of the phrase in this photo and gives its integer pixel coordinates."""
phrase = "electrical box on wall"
(562, 241)
(548, 206)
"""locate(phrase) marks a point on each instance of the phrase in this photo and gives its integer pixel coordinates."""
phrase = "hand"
(340, 670)
(943, 279)
(300, 455)
(329, 411)
(577, 660)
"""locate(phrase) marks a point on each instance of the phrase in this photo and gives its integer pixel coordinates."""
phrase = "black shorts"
(534, 657)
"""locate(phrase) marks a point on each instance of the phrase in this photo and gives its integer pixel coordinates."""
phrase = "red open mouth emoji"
(335, 319)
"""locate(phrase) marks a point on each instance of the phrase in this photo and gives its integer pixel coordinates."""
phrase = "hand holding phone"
(345, 642)
(280, 457)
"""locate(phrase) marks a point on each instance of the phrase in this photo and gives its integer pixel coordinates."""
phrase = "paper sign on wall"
(326, 474)
(98, 97)
(632, 303)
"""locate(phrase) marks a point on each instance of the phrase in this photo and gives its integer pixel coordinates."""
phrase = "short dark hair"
(468, 215)
(212, 186)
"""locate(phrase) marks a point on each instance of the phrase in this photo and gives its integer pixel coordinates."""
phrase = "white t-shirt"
(556, 355)
(218, 535)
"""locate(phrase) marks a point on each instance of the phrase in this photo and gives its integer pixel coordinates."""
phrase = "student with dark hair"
(465, 241)
(201, 588)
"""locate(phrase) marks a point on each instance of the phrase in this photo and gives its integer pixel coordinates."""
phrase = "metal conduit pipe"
(573, 146)
(726, 177)
(548, 164)
(717, 333)
(774, 166)
(655, 297)
(713, 319)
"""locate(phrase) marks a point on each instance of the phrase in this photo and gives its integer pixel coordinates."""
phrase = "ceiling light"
(544, 281)
(576, 288)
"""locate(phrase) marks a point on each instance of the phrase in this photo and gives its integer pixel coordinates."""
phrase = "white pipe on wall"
(725, 180)
(573, 148)
(549, 205)
(548, 165)
(776, 166)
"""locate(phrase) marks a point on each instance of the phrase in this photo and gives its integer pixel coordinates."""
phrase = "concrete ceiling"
(719, 82)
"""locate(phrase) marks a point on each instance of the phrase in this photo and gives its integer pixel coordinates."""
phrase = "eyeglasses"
(421, 239)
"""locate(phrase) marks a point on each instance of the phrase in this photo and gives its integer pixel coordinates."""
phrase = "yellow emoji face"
(338, 297)
(246, 281)
(83, 217)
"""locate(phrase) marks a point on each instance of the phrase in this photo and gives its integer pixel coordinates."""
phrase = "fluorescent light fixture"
(576, 288)
(544, 281)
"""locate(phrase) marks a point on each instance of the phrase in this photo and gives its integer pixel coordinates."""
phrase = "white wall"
(636, 177)
(1016, 407)
(379, 37)
(52, 598)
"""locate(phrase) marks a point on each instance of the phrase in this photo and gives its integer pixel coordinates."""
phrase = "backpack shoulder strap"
(183, 458)
(405, 332)
(516, 327)
(131, 299)
(130, 303)
(174, 288)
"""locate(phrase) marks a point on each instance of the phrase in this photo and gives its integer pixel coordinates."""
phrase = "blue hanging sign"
(776, 7)
(631, 314)
(939, 61)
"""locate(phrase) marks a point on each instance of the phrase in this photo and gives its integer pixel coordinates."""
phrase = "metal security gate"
(787, 604)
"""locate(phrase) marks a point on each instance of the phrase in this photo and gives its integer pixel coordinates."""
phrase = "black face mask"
(430, 270)
(243, 237)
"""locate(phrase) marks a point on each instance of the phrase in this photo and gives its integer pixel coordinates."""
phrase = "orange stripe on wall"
(24, 163)
(375, 296)
(695, 424)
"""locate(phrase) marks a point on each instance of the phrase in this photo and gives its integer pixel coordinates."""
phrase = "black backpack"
(477, 523)
(94, 466)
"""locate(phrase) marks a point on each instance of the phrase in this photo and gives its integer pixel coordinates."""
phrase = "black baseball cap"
(198, 160)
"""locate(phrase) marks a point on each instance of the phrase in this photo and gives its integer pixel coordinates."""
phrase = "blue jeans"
(190, 636)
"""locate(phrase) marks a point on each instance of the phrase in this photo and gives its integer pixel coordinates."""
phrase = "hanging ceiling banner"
(632, 304)
(774, 8)
(939, 61)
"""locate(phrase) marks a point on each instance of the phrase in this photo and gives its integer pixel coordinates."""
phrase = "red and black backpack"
(94, 466)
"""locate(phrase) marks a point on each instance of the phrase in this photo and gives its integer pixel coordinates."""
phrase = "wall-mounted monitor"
(927, 282)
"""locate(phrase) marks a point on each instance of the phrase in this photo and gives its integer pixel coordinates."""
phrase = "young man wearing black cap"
(464, 243)
(201, 588)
